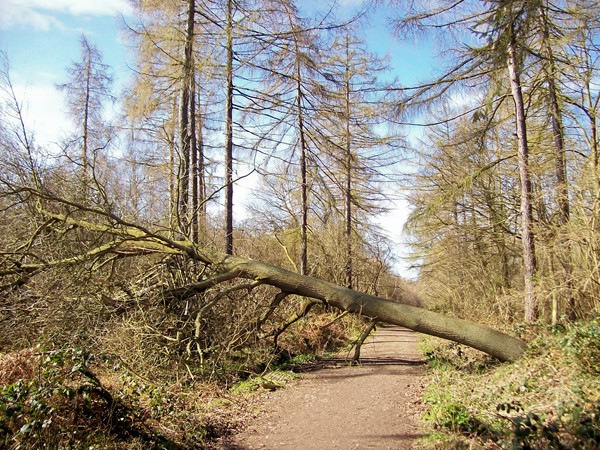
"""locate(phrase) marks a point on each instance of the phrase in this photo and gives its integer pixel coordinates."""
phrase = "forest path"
(336, 406)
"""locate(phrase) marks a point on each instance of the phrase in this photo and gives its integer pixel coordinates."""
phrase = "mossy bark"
(495, 343)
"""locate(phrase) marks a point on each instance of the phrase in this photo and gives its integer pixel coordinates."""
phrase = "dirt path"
(372, 406)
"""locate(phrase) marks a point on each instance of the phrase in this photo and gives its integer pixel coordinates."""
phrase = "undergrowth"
(548, 399)
(71, 397)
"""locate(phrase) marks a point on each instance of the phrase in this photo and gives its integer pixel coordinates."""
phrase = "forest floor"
(374, 405)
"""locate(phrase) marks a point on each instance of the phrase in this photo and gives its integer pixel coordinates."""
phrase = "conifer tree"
(87, 91)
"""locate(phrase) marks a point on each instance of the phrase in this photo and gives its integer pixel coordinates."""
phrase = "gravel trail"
(375, 405)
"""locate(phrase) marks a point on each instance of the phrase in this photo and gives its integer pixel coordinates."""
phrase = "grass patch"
(550, 398)
(273, 380)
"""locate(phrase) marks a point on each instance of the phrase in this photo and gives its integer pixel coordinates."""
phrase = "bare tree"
(87, 91)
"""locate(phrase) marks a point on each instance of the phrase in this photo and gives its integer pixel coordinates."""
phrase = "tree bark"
(229, 134)
(348, 168)
(499, 345)
(173, 186)
(303, 169)
(200, 171)
(560, 169)
(527, 237)
(85, 164)
(185, 130)
(360, 341)
(194, 163)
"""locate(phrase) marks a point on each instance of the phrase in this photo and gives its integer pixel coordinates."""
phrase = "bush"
(60, 401)
(445, 413)
(57, 401)
(582, 342)
(549, 398)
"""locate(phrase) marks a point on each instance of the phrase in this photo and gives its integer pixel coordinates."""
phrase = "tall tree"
(550, 76)
(88, 89)
(363, 147)
(176, 95)
(152, 101)
(527, 237)
(556, 115)
(229, 128)
(293, 92)
(502, 32)
(187, 114)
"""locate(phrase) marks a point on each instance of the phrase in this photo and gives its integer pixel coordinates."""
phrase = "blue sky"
(41, 39)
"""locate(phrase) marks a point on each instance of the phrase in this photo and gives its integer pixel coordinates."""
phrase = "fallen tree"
(128, 239)
(495, 343)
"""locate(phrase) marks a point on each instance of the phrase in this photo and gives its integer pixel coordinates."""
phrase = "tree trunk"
(527, 237)
(85, 163)
(560, 169)
(348, 193)
(201, 171)
(185, 131)
(303, 171)
(560, 165)
(173, 187)
(360, 341)
(499, 345)
(229, 134)
(133, 239)
(194, 163)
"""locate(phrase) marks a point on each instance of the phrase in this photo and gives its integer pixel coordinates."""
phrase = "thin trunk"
(291, 16)
(85, 164)
(497, 218)
(560, 165)
(185, 132)
(527, 237)
(564, 250)
(594, 127)
(348, 219)
(229, 135)
(200, 180)
(194, 162)
(591, 113)
(560, 169)
(348, 193)
(173, 196)
(361, 339)
(303, 173)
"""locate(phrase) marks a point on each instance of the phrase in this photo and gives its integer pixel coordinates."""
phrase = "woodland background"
(504, 188)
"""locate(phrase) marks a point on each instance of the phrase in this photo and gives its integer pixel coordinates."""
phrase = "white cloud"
(392, 222)
(81, 7)
(39, 14)
(13, 14)
(43, 112)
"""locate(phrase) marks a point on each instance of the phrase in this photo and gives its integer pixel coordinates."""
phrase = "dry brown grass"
(18, 365)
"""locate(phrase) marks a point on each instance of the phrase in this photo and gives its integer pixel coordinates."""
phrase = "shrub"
(62, 403)
(549, 398)
(582, 342)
